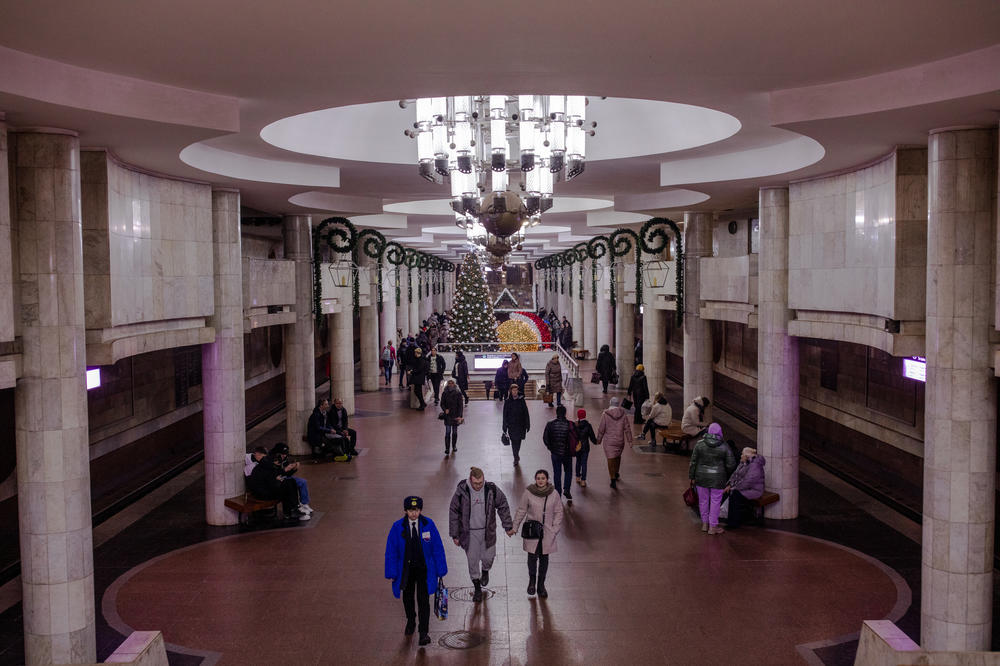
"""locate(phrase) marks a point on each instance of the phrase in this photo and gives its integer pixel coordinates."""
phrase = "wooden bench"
(673, 434)
(762, 501)
(247, 505)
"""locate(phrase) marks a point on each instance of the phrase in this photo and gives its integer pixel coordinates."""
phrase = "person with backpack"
(585, 436)
(560, 439)
(460, 372)
(388, 360)
(472, 525)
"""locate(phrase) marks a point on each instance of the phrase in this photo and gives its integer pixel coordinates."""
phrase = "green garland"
(653, 240)
(395, 254)
(342, 240)
(597, 248)
(621, 242)
(373, 245)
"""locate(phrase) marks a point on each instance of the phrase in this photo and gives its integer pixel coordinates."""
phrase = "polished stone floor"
(634, 581)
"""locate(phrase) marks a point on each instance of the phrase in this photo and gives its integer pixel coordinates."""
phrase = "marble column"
(403, 308)
(52, 443)
(605, 314)
(8, 281)
(415, 318)
(654, 347)
(368, 322)
(777, 359)
(576, 318)
(589, 312)
(298, 340)
(697, 331)
(960, 417)
(342, 354)
(624, 332)
(387, 318)
(564, 309)
(222, 366)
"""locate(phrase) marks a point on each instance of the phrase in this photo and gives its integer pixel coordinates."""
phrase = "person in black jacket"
(460, 372)
(322, 438)
(585, 435)
(566, 335)
(501, 381)
(638, 391)
(436, 364)
(418, 370)
(336, 418)
(605, 366)
(516, 421)
(270, 481)
(559, 438)
(452, 407)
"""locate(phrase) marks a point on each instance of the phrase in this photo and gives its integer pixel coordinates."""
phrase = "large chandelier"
(502, 154)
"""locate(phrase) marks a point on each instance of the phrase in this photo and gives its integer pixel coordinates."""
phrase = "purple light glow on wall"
(93, 378)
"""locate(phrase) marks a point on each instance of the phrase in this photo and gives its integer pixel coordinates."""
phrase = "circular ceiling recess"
(443, 206)
(625, 128)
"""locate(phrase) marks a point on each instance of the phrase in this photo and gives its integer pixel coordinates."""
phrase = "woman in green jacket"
(712, 461)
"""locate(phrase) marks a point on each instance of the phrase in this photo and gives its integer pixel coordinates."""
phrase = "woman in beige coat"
(553, 378)
(540, 502)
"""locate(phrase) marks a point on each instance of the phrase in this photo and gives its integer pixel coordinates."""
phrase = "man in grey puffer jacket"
(472, 524)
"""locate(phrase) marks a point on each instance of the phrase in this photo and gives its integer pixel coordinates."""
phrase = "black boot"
(477, 596)
(447, 445)
(531, 585)
(541, 587)
(485, 577)
(454, 442)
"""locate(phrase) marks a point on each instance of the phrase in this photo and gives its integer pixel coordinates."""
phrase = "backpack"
(386, 354)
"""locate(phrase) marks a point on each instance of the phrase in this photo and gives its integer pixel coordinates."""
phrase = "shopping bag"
(595, 378)
(691, 496)
(626, 404)
(724, 509)
(441, 600)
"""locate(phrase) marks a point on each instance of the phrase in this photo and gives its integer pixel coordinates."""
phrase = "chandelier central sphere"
(502, 154)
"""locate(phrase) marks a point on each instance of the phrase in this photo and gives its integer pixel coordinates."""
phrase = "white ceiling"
(771, 91)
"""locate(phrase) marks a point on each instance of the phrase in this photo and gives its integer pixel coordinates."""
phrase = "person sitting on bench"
(280, 451)
(336, 419)
(746, 484)
(270, 481)
(660, 416)
(322, 438)
(695, 420)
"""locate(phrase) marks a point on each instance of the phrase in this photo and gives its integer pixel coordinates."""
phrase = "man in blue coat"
(414, 560)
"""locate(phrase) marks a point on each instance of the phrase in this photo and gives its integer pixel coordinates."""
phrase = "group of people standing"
(560, 330)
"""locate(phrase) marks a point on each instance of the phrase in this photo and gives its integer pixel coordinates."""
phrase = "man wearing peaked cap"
(414, 560)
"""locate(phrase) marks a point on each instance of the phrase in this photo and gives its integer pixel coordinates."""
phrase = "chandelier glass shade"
(502, 154)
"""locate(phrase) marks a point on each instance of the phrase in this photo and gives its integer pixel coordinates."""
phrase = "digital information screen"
(915, 368)
(489, 361)
(93, 378)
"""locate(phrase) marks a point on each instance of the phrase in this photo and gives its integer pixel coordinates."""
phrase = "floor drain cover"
(461, 640)
(465, 593)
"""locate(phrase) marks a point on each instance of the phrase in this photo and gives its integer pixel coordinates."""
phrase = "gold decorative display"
(517, 331)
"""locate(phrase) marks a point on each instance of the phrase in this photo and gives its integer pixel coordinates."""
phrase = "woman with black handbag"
(516, 422)
(541, 510)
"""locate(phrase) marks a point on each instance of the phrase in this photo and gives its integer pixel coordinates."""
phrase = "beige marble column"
(403, 309)
(387, 318)
(960, 406)
(8, 281)
(777, 359)
(222, 366)
(576, 318)
(342, 354)
(624, 332)
(53, 464)
(299, 346)
(565, 308)
(605, 314)
(697, 331)
(654, 348)
(589, 312)
(368, 322)
(415, 318)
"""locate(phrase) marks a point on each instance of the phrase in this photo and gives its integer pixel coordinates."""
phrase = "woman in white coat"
(542, 503)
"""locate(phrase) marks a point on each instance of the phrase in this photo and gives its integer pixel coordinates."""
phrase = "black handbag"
(505, 439)
(533, 529)
(626, 404)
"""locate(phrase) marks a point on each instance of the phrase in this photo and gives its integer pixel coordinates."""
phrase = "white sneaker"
(305, 508)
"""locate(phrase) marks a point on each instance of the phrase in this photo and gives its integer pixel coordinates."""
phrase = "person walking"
(414, 560)
(418, 370)
(585, 436)
(436, 364)
(472, 525)
(402, 359)
(516, 421)
(566, 335)
(542, 511)
(460, 372)
(745, 484)
(613, 433)
(560, 439)
(711, 463)
(516, 373)
(606, 366)
(695, 420)
(388, 360)
(501, 381)
(452, 408)
(660, 416)
(638, 391)
(553, 378)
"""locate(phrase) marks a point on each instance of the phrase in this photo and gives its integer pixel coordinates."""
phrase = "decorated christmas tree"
(473, 319)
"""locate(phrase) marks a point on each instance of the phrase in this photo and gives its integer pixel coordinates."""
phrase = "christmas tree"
(472, 315)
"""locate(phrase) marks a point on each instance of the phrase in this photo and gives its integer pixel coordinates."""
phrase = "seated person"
(746, 483)
(321, 436)
(336, 420)
(269, 481)
(660, 416)
(280, 450)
